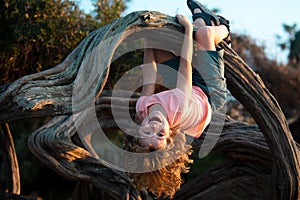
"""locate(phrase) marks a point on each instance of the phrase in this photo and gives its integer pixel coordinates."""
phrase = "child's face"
(154, 131)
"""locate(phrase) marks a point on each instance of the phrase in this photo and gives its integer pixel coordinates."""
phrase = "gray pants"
(208, 74)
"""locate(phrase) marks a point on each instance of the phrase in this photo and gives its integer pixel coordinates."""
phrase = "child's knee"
(204, 34)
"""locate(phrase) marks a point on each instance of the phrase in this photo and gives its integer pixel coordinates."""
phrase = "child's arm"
(184, 79)
(149, 72)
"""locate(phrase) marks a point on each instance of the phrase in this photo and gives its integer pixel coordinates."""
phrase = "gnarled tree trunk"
(263, 161)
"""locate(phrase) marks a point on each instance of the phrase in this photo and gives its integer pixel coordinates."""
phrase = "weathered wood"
(50, 93)
(11, 164)
(246, 172)
(52, 144)
(249, 89)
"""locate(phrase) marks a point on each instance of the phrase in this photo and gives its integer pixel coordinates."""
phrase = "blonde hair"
(167, 165)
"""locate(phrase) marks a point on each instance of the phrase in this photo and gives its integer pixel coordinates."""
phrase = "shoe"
(226, 23)
(205, 14)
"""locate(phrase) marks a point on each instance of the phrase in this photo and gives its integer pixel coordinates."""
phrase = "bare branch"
(11, 161)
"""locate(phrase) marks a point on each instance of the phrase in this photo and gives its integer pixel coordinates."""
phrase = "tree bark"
(50, 93)
(245, 174)
(248, 88)
(11, 164)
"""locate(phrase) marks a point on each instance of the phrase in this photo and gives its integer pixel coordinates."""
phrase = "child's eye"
(161, 135)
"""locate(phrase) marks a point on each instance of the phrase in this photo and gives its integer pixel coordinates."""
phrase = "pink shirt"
(191, 115)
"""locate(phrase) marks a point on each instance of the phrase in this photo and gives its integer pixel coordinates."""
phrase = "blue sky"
(260, 19)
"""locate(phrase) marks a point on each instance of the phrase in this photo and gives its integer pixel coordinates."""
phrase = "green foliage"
(36, 35)
(122, 63)
(292, 44)
(108, 10)
(294, 55)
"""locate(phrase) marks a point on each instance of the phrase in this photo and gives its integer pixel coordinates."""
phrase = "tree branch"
(10, 161)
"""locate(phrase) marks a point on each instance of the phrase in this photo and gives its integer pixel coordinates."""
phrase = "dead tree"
(10, 160)
(262, 161)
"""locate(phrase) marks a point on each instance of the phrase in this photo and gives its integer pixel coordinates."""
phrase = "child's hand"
(184, 21)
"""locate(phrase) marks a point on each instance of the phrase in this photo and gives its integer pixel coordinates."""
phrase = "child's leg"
(210, 65)
(207, 37)
(209, 62)
(167, 68)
